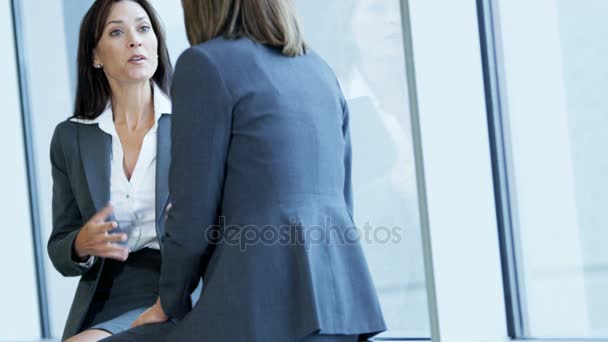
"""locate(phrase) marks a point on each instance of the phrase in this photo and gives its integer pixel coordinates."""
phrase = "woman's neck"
(132, 105)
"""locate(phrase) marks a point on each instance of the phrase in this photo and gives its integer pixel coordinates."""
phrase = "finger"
(119, 256)
(106, 226)
(103, 214)
(167, 210)
(148, 317)
(139, 320)
(115, 248)
(116, 237)
(116, 252)
(142, 319)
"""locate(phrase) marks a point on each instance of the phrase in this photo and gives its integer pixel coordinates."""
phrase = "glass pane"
(362, 41)
(556, 78)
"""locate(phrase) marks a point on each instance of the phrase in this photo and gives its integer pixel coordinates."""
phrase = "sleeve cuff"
(87, 264)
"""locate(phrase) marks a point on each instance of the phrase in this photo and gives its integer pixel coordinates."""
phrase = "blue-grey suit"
(80, 159)
(260, 143)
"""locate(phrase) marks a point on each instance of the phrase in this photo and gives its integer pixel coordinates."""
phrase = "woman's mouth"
(137, 59)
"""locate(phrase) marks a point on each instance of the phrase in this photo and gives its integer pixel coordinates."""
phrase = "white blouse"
(134, 200)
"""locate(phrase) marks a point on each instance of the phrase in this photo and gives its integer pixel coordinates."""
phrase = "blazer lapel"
(163, 160)
(95, 153)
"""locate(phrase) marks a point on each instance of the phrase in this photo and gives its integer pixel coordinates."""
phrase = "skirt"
(124, 291)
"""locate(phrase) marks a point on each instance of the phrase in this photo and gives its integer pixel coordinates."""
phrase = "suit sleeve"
(67, 220)
(200, 133)
(348, 188)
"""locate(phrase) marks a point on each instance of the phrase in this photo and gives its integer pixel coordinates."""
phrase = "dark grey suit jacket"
(80, 159)
(260, 143)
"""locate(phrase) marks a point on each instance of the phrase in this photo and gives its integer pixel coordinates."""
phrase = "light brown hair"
(269, 22)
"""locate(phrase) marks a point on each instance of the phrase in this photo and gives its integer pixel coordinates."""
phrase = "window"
(550, 132)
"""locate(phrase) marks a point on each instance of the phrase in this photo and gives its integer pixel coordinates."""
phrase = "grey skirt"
(125, 290)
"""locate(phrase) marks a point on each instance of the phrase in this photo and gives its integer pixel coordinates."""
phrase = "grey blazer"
(80, 159)
(260, 142)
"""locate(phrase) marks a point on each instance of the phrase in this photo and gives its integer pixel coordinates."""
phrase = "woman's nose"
(135, 44)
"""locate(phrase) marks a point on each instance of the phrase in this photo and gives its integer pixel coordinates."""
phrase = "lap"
(330, 338)
(121, 323)
(89, 335)
(158, 333)
(147, 332)
(124, 291)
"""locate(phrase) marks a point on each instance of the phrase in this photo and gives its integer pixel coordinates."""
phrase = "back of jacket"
(261, 151)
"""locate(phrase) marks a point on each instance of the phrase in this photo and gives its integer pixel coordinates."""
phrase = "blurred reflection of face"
(128, 46)
(378, 35)
(377, 28)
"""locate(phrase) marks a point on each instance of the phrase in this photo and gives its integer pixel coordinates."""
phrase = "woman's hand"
(155, 314)
(94, 239)
(167, 209)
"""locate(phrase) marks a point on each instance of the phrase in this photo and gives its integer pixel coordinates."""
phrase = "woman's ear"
(96, 61)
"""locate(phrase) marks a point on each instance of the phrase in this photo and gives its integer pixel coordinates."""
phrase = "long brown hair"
(93, 90)
(269, 22)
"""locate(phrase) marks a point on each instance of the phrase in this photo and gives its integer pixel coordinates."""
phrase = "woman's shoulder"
(66, 128)
(218, 51)
(64, 136)
(65, 133)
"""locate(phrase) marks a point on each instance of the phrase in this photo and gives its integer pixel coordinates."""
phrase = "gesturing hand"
(94, 239)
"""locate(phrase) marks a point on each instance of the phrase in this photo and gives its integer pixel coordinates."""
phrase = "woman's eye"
(144, 28)
(115, 33)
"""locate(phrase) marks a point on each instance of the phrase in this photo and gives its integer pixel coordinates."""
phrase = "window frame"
(32, 180)
(441, 181)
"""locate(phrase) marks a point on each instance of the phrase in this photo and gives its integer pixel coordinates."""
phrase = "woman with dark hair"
(114, 149)
(260, 184)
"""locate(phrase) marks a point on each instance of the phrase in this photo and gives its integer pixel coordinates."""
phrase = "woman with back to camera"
(260, 143)
(115, 148)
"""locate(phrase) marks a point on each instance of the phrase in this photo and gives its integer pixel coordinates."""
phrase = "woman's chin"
(138, 77)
